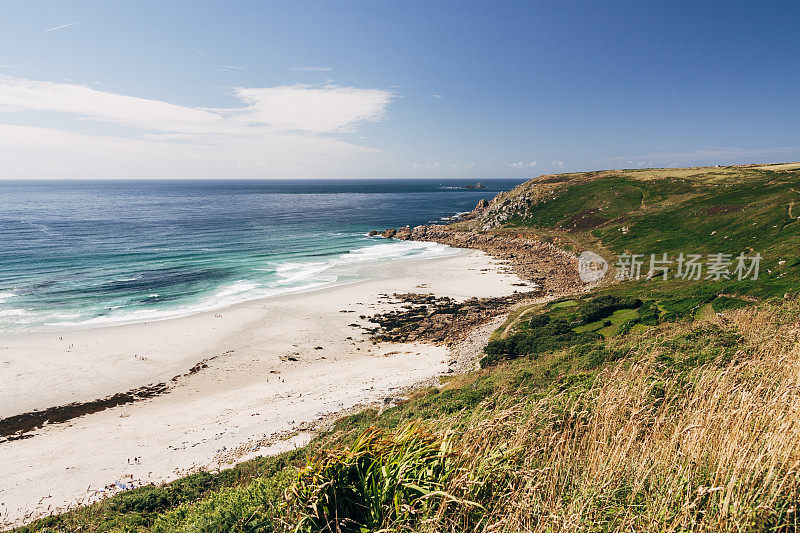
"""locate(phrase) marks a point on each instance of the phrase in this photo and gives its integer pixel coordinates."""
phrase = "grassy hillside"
(644, 406)
(706, 211)
(701, 210)
(671, 426)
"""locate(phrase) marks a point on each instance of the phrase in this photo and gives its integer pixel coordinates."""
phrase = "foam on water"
(292, 277)
(84, 254)
(14, 313)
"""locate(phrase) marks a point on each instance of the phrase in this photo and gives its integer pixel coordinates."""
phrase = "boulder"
(482, 206)
(418, 232)
(404, 233)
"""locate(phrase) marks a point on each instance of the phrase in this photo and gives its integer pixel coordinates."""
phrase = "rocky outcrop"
(403, 233)
(481, 208)
(523, 199)
(439, 320)
(552, 268)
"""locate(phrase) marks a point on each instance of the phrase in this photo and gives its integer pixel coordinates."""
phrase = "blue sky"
(248, 89)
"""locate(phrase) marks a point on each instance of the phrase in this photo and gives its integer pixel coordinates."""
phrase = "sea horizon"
(90, 253)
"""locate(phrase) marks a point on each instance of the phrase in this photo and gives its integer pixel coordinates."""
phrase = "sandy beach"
(273, 366)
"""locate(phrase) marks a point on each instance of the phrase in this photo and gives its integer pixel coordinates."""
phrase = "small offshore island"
(493, 389)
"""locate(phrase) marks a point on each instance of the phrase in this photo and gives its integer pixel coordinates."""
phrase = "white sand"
(226, 412)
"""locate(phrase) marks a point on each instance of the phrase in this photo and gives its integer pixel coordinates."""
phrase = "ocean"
(79, 254)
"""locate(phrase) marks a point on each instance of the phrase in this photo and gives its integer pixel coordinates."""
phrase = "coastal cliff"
(552, 268)
(640, 405)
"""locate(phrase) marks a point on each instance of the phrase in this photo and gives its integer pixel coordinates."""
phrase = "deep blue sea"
(93, 253)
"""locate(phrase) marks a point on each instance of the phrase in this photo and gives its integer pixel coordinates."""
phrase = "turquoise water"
(89, 253)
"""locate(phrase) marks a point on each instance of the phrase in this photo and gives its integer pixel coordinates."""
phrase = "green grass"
(736, 210)
(419, 463)
(592, 326)
(382, 480)
(140, 509)
(395, 470)
(620, 317)
(724, 303)
(252, 507)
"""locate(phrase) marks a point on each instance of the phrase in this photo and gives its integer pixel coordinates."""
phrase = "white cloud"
(557, 164)
(522, 164)
(287, 131)
(226, 68)
(328, 108)
(437, 96)
(311, 69)
(87, 103)
(66, 25)
(31, 152)
(309, 108)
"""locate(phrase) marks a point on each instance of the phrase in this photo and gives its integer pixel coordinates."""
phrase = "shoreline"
(142, 367)
(196, 308)
(262, 378)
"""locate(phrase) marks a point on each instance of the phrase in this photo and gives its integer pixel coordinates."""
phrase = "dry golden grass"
(780, 166)
(689, 427)
(647, 449)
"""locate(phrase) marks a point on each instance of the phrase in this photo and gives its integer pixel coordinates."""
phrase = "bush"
(154, 499)
(550, 335)
(250, 508)
(604, 306)
(538, 321)
(725, 303)
(648, 314)
(381, 481)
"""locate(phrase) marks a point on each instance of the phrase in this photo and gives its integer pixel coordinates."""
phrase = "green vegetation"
(541, 335)
(727, 210)
(652, 429)
(644, 406)
(251, 507)
(147, 508)
(585, 322)
(381, 481)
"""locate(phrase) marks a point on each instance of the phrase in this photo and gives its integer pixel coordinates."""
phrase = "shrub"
(604, 306)
(550, 335)
(154, 499)
(538, 321)
(249, 508)
(381, 481)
